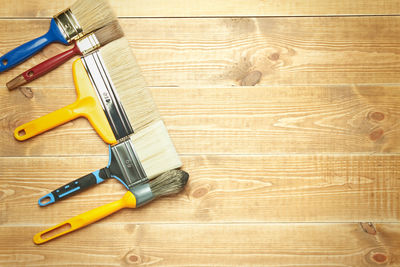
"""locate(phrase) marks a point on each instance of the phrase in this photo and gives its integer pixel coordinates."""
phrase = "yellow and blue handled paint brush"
(168, 183)
(83, 17)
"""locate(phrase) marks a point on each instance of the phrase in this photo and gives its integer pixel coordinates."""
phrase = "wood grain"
(207, 245)
(241, 120)
(221, 189)
(285, 114)
(206, 8)
(248, 51)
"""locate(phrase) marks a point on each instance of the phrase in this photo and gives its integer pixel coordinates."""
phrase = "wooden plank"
(240, 120)
(222, 189)
(249, 51)
(188, 8)
(206, 245)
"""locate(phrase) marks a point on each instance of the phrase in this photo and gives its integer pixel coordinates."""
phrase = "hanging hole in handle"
(45, 201)
(21, 132)
(30, 73)
(61, 229)
(5, 61)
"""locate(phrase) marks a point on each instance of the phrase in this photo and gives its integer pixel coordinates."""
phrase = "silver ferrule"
(88, 44)
(68, 25)
(107, 94)
(126, 165)
(142, 194)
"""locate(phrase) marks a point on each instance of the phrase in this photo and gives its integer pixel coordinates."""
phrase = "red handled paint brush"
(84, 46)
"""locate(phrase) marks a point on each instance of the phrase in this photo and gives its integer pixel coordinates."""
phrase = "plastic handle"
(25, 51)
(73, 187)
(77, 222)
(87, 105)
(46, 66)
(46, 122)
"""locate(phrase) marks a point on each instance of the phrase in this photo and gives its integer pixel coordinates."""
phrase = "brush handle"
(25, 51)
(74, 187)
(77, 222)
(43, 68)
(47, 122)
(87, 105)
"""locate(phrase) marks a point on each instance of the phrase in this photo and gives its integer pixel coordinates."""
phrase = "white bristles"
(155, 149)
(129, 83)
(92, 14)
(151, 140)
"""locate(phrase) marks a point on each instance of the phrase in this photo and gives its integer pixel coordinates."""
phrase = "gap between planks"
(185, 8)
(224, 17)
(286, 154)
(112, 224)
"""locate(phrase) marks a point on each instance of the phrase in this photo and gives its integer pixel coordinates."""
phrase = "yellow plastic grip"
(87, 105)
(77, 222)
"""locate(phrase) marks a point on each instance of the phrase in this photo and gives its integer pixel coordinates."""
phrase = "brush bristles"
(151, 140)
(168, 183)
(92, 14)
(129, 83)
(155, 150)
(109, 33)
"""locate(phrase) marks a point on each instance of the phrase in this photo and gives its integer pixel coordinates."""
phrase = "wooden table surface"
(285, 113)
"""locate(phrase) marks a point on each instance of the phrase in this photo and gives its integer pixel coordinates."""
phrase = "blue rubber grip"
(73, 187)
(27, 50)
(50, 198)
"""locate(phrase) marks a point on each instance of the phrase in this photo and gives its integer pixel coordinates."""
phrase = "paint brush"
(83, 46)
(171, 182)
(111, 94)
(149, 154)
(83, 17)
(98, 77)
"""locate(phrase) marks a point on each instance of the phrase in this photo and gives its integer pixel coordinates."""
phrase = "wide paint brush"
(83, 46)
(131, 162)
(171, 182)
(83, 17)
(111, 94)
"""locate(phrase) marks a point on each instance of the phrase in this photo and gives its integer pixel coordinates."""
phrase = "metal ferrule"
(68, 25)
(126, 165)
(88, 44)
(107, 95)
(142, 194)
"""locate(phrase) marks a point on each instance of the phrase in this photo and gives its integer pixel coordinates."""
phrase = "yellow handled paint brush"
(171, 182)
(97, 78)
(111, 94)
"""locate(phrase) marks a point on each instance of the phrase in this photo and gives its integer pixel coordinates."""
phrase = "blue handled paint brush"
(83, 17)
(131, 162)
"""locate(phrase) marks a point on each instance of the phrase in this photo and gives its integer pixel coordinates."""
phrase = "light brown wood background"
(285, 113)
